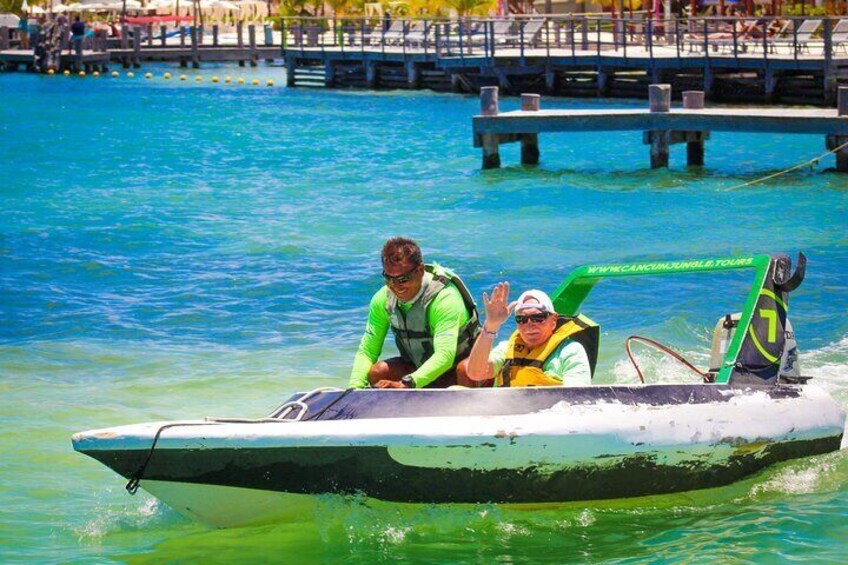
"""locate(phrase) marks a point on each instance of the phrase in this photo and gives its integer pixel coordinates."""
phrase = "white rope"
(811, 163)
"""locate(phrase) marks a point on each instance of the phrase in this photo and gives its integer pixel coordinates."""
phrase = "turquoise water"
(174, 250)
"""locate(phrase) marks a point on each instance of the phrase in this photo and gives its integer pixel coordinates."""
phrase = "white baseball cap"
(534, 300)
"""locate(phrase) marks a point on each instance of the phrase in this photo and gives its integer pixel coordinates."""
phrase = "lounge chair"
(392, 36)
(799, 39)
(501, 31)
(839, 36)
(418, 33)
(528, 32)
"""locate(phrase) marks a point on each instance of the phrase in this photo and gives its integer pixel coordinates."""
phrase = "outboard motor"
(768, 353)
(723, 333)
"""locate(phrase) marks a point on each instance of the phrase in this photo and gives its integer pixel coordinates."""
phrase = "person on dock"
(77, 35)
(34, 27)
(433, 319)
(545, 350)
(23, 30)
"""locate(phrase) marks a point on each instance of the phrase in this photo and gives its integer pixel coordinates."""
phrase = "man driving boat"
(432, 316)
(545, 350)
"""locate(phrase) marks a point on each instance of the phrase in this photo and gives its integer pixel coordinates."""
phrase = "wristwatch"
(407, 381)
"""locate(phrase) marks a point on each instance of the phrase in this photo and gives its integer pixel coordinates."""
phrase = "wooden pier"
(574, 55)
(661, 125)
(83, 61)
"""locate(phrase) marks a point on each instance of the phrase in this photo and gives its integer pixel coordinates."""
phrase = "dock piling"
(329, 74)
(413, 75)
(251, 38)
(371, 74)
(136, 62)
(489, 107)
(659, 96)
(530, 141)
(291, 65)
(195, 56)
(694, 100)
(240, 41)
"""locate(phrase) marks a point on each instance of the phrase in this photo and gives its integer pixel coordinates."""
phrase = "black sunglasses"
(400, 279)
(535, 318)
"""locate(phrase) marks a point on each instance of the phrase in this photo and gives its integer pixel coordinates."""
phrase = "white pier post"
(694, 100)
(659, 96)
(530, 141)
(489, 107)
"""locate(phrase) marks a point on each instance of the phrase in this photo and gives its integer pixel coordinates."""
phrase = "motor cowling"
(726, 327)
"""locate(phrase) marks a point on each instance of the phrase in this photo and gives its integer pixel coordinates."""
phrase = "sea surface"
(180, 249)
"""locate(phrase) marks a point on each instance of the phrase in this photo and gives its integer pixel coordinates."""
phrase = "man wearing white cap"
(545, 350)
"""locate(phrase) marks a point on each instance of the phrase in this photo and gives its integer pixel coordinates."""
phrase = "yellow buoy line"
(168, 76)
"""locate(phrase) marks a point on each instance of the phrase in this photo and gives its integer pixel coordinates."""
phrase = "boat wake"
(110, 518)
(829, 368)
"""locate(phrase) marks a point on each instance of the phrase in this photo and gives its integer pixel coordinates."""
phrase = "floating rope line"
(811, 163)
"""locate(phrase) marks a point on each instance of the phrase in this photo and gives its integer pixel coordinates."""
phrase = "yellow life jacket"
(523, 366)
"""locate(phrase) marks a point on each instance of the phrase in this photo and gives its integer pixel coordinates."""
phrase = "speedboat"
(749, 409)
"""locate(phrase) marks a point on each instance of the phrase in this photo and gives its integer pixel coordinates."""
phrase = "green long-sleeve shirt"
(446, 316)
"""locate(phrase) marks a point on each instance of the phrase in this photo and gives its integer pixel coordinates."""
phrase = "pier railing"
(640, 36)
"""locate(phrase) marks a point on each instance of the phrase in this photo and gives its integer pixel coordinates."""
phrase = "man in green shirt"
(433, 319)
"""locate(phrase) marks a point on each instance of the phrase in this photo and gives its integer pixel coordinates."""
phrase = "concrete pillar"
(251, 39)
(195, 54)
(240, 44)
(489, 107)
(371, 74)
(413, 75)
(530, 102)
(659, 96)
(530, 141)
(694, 100)
(136, 47)
(603, 83)
(708, 82)
(769, 85)
(291, 65)
(550, 80)
(329, 74)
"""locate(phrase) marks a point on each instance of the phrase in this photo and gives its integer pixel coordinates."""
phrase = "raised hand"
(498, 308)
